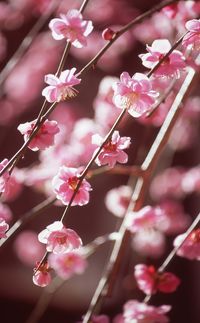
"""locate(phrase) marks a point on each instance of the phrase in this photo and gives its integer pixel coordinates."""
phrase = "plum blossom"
(134, 93)
(150, 281)
(44, 138)
(59, 239)
(192, 38)
(68, 264)
(191, 246)
(112, 152)
(42, 276)
(60, 88)
(171, 65)
(71, 27)
(5, 177)
(117, 200)
(3, 228)
(136, 312)
(65, 183)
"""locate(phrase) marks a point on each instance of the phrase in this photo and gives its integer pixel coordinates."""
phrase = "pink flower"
(28, 248)
(5, 212)
(117, 200)
(3, 228)
(112, 152)
(191, 246)
(68, 264)
(42, 276)
(60, 88)
(145, 218)
(192, 38)
(134, 93)
(5, 177)
(65, 183)
(172, 64)
(72, 27)
(135, 312)
(150, 281)
(44, 137)
(59, 239)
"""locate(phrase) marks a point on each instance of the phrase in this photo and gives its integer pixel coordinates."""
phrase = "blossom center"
(110, 146)
(73, 182)
(65, 92)
(129, 99)
(195, 236)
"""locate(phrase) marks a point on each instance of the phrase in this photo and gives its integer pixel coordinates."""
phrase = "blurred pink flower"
(3, 228)
(65, 183)
(117, 200)
(135, 311)
(59, 239)
(68, 264)
(150, 281)
(5, 212)
(172, 65)
(60, 88)
(112, 152)
(135, 94)
(193, 36)
(191, 246)
(44, 138)
(191, 180)
(72, 27)
(4, 179)
(42, 276)
(28, 248)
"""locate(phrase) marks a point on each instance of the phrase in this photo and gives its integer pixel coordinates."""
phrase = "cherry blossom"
(171, 65)
(5, 177)
(68, 264)
(3, 228)
(42, 277)
(71, 27)
(192, 38)
(60, 88)
(191, 246)
(136, 312)
(134, 93)
(112, 152)
(59, 239)
(117, 200)
(27, 247)
(150, 281)
(44, 137)
(65, 183)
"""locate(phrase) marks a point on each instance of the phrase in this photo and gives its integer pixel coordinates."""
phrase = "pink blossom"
(5, 177)
(174, 219)
(135, 94)
(191, 180)
(59, 239)
(191, 246)
(149, 242)
(42, 276)
(112, 152)
(171, 65)
(117, 200)
(3, 228)
(28, 248)
(44, 137)
(65, 183)
(145, 218)
(5, 212)
(60, 88)
(135, 312)
(192, 38)
(71, 27)
(150, 281)
(68, 264)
